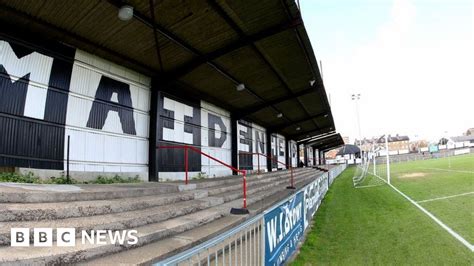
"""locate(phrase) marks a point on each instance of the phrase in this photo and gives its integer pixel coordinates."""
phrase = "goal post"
(388, 158)
(374, 168)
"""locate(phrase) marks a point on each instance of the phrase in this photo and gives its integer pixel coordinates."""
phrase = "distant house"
(415, 146)
(397, 143)
(457, 142)
(467, 138)
(332, 154)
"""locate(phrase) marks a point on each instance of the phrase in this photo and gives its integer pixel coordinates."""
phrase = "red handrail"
(292, 184)
(186, 147)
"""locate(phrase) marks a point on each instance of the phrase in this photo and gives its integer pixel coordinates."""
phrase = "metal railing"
(245, 244)
(186, 169)
(242, 245)
(289, 167)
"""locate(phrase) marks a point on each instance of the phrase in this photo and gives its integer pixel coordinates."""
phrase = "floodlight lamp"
(240, 87)
(125, 13)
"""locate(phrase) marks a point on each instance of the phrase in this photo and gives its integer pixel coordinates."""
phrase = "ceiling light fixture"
(311, 82)
(298, 128)
(240, 87)
(279, 115)
(125, 13)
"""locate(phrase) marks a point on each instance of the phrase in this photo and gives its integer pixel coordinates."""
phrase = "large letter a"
(103, 105)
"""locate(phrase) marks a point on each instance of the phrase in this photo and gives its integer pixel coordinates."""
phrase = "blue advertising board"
(313, 195)
(433, 148)
(284, 229)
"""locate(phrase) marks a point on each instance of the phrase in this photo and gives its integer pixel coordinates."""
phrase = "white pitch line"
(449, 170)
(447, 197)
(434, 218)
(367, 186)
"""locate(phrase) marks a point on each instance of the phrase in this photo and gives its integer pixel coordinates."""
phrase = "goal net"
(372, 171)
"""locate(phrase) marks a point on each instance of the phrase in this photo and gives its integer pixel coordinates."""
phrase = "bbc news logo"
(66, 237)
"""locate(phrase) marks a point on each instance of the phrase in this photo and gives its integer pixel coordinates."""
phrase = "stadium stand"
(102, 88)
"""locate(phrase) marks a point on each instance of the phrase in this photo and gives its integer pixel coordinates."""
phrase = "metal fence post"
(262, 242)
(258, 163)
(245, 189)
(68, 180)
(186, 162)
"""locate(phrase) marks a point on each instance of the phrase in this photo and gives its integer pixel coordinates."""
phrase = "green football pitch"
(376, 225)
(444, 187)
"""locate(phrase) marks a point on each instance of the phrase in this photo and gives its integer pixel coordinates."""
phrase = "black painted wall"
(245, 138)
(27, 141)
(172, 160)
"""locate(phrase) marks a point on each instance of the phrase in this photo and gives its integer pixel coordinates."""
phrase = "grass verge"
(376, 226)
(32, 179)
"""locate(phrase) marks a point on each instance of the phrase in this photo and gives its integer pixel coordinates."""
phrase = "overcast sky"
(412, 61)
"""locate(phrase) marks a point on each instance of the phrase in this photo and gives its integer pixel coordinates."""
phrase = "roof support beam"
(283, 126)
(257, 108)
(303, 141)
(307, 134)
(183, 44)
(242, 42)
(325, 141)
(236, 27)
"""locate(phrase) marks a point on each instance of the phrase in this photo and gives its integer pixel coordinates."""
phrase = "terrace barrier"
(269, 238)
(186, 149)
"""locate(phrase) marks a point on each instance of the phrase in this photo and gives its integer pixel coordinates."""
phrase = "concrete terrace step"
(148, 233)
(22, 193)
(55, 210)
(163, 248)
(254, 180)
(115, 221)
(207, 183)
(35, 193)
(279, 184)
(62, 255)
(61, 210)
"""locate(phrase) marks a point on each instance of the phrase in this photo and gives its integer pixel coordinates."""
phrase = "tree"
(443, 141)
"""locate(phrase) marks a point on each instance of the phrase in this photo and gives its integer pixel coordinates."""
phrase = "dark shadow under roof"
(325, 142)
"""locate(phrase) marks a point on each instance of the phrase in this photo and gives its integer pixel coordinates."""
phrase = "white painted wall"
(38, 66)
(293, 150)
(223, 153)
(257, 159)
(279, 145)
(108, 149)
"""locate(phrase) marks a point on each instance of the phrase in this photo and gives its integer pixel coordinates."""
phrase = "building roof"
(348, 149)
(397, 138)
(200, 49)
(463, 138)
(382, 139)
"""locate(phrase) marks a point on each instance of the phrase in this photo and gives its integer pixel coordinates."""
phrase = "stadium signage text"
(284, 229)
(286, 222)
(313, 194)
